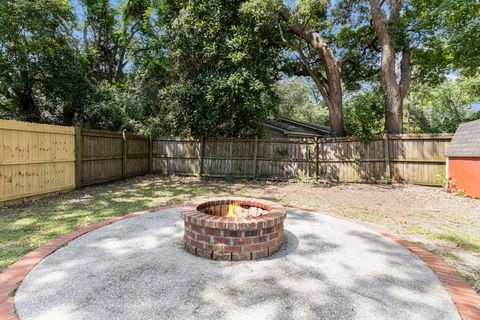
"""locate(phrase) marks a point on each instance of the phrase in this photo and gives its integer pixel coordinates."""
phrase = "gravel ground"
(138, 269)
(444, 223)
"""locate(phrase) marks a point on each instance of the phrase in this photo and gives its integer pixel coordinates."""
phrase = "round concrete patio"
(138, 269)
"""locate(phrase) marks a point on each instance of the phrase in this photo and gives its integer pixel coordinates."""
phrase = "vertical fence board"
(229, 157)
(106, 156)
(412, 158)
(138, 154)
(35, 159)
(419, 158)
(176, 156)
(102, 153)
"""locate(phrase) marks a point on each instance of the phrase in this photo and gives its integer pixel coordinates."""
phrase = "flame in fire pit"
(231, 210)
(234, 209)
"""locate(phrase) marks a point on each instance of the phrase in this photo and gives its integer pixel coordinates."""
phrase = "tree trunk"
(405, 71)
(120, 66)
(332, 89)
(394, 92)
(68, 114)
(27, 105)
(334, 101)
(336, 116)
(394, 114)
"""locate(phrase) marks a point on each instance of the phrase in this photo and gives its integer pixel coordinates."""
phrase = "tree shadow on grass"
(27, 226)
(332, 269)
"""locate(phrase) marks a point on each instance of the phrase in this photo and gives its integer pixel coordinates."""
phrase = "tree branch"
(405, 71)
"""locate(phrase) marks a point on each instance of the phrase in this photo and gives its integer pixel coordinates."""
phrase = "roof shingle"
(466, 141)
(292, 127)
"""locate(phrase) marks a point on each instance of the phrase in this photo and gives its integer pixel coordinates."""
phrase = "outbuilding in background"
(463, 160)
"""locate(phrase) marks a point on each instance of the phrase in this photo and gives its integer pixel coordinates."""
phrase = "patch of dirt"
(444, 223)
(418, 213)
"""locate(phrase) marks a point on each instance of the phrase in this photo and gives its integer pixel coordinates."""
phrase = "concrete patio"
(138, 269)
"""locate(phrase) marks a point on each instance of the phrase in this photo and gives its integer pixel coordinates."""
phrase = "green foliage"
(299, 100)
(212, 67)
(442, 107)
(223, 72)
(452, 34)
(108, 109)
(365, 114)
(283, 151)
(353, 44)
(111, 35)
(41, 74)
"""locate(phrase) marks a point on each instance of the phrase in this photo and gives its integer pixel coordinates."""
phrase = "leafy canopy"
(223, 72)
(41, 74)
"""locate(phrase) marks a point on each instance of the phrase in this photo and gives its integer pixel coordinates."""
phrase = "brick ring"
(212, 233)
(462, 294)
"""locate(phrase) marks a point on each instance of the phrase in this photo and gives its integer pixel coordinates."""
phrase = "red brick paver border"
(462, 294)
(464, 297)
(11, 277)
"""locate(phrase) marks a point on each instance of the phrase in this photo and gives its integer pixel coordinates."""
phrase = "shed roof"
(296, 128)
(466, 141)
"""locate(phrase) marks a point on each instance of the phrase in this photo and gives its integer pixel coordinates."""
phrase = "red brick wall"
(233, 238)
(464, 173)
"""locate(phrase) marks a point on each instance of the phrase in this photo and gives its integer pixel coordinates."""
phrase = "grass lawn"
(446, 224)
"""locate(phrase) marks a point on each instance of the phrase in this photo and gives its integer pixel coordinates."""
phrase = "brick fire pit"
(233, 228)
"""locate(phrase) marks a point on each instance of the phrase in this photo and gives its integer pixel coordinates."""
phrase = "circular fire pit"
(234, 228)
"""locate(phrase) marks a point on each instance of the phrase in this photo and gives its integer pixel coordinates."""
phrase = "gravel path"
(138, 269)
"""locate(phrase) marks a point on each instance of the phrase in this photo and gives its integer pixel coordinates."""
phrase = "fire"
(234, 209)
(231, 210)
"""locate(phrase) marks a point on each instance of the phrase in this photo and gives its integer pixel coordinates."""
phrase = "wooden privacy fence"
(35, 159)
(38, 159)
(103, 156)
(408, 158)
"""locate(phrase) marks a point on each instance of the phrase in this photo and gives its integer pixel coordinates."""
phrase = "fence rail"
(35, 159)
(38, 159)
(404, 158)
(104, 156)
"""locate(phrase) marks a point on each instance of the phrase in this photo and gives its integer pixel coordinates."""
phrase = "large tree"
(318, 45)
(329, 82)
(222, 71)
(296, 29)
(109, 34)
(41, 74)
(386, 24)
(422, 41)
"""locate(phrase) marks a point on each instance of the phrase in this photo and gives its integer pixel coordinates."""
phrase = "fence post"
(150, 154)
(255, 156)
(200, 159)
(124, 153)
(386, 146)
(78, 157)
(317, 151)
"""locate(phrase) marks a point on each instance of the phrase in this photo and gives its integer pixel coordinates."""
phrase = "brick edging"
(11, 277)
(462, 295)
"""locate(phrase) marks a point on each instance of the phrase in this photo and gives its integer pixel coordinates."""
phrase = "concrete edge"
(461, 293)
